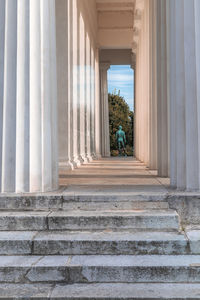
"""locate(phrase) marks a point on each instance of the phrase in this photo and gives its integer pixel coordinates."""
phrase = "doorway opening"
(121, 109)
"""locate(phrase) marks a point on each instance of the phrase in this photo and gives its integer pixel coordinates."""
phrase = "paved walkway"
(114, 174)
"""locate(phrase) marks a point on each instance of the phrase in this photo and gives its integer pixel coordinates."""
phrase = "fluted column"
(88, 98)
(191, 86)
(153, 93)
(162, 95)
(82, 61)
(63, 81)
(175, 67)
(75, 93)
(28, 78)
(185, 92)
(92, 103)
(105, 134)
(97, 107)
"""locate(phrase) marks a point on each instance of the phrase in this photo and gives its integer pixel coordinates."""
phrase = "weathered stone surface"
(132, 269)
(187, 206)
(23, 220)
(114, 205)
(101, 291)
(124, 291)
(114, 243)
(87, 220)
(31, 202)
(49, 269)
(25, 291)
(14, 268)
(101, 268)
(194, 240)
(16, 242)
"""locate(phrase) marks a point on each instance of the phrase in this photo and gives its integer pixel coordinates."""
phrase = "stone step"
(114, 205)
(83, 201)
(96, 243)
(102, 291)
(90, 220)
(100, 269)
(100, 220)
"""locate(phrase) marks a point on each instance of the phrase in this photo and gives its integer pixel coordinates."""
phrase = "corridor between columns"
(113, 175)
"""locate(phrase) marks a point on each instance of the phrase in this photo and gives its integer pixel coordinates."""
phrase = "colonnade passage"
(113, 175)
(76, 223)
(54, 58)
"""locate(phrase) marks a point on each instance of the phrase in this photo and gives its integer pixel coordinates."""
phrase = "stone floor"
(114, 174)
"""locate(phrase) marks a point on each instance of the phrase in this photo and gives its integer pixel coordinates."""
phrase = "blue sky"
(121, 78)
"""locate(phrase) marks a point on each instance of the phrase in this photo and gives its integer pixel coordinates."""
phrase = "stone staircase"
(96, 248)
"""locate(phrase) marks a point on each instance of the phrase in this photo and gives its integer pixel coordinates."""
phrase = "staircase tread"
(102, 291)
(101, 261)
(108, 213)
(92, 235)
(87, 213)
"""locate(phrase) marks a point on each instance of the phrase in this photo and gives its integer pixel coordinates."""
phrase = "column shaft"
(82, 91)
(162, 95)
(29, 136)
(105, 134)
(9, 98)
(184, 41)
(22, 103)
(97, 107)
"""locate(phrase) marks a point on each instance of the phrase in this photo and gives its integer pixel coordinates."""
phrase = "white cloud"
(120, 78)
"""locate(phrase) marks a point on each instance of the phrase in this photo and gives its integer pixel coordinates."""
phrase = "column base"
(89, 158)
(67, 165)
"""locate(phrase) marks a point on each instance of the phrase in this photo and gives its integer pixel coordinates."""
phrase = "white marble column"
(75, 93)
(105, 134)
(184, 62)
(28, 78)
(97, 107)
(191, 84)
(142, 97)
(63, 82)
(175, 66)
(162, 96)
(82, 61)
(92, 103)
(88, 98)
(197, 57)
(153, 88)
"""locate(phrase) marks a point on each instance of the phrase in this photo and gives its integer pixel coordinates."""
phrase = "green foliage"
(120, 114)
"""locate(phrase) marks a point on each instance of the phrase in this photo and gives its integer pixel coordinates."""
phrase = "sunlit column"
(105, 135)
(75, 90)
(88, 98)
(162, 89)
(92, 103)
(28, 80)
(8, 99)
(172, 92)
(63, 82)
(153, 88)
(97, 107)
(82, 99)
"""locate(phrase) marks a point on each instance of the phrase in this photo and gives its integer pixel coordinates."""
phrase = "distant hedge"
(120, 114)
